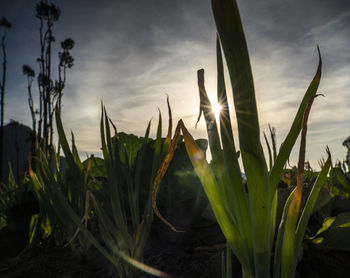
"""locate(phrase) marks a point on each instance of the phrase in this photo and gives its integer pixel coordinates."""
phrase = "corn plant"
(247, 216)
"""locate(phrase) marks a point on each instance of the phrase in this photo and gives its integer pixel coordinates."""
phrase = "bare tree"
(5, 25)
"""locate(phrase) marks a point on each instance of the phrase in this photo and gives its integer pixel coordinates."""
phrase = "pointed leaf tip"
(170, 128)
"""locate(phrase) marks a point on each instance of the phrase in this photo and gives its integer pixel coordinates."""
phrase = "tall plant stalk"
(50, 91)
(4, 23)
(29, 72)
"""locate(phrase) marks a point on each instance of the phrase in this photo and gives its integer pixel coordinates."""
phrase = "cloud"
(129, 54)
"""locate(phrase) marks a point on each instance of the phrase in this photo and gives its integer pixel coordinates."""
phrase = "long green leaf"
(310, 204)
(67, 152)
(288, 247)
(233, 41)
(234, 190)
(110, 163)
(269, 151)
(279, 239)
(215, 197)
(217, 163)
(294, 131)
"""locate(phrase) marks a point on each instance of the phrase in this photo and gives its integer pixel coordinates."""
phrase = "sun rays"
(215, 106)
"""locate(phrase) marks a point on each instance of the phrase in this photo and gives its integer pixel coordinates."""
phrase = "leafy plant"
(17, 205)
(247, 216)
(107, 190)
(51, 186)
(126, 219)
(334, 212)
(334, 233)
(340, 179)
(131, 165)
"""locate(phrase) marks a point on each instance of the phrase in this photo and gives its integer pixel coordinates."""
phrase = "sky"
(130, 54)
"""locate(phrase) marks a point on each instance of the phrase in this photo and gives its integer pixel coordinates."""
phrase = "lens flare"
(215, 106)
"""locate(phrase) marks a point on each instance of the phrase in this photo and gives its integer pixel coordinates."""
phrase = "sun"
(216, 107)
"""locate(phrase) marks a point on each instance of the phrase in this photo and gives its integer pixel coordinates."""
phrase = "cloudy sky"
(131, 53)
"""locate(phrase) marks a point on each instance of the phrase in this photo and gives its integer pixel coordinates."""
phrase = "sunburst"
(215, 106)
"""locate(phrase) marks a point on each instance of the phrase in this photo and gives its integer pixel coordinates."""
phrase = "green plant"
(340, 179)
(131, 165)
(17, 205)
(126, 219)
(333, 212)
(107, 190)
(248, 217)
(51, 185)
(334, 233)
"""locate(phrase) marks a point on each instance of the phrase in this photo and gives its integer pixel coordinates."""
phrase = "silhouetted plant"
(66, 61)
(30, 73)
(50, 91)
(4, 24)
(47, 14)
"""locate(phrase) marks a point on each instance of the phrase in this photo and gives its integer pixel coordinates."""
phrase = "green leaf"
(342, 180)
(77, 175)
(310, 204)
(97, 167)
(131, 145)
(289, 253)
(334, 234)
(295, 129)
(234, 45)
(234, 190)
(279, 239)
(269, 151)
(211, 187)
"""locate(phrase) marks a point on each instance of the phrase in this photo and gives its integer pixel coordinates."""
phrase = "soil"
(196, 253)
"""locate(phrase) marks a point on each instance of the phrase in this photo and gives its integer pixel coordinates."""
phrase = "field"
(158, 207)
